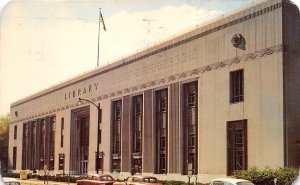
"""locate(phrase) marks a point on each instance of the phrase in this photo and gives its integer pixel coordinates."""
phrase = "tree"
(4, 137)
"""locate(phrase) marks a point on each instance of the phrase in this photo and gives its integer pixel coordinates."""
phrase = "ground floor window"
(14, 157)
(236, 146)
(190, 128)
(61, 162)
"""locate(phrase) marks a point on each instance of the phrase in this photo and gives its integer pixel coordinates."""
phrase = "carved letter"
(96, 86)
(79, 92)
(84, 90)
(65, 96)
(90, 88)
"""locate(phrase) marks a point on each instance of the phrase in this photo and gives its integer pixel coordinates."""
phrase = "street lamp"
(98, 125)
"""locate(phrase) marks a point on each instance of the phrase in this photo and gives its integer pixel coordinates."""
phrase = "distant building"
(222, 97)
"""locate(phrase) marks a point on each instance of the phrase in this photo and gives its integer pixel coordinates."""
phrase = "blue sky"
(43, 43)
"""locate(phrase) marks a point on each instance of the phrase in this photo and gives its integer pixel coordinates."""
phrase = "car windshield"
(150, 179)
(106, 178)
(245, 183)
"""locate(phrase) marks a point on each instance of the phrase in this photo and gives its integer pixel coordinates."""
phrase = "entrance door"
(236, 146)
(79, 144)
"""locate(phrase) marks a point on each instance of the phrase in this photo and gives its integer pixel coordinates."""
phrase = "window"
(62, 127)
(236, 146)
(15, 132)
(25, 147)
(14, 157)
(236, 86)
(42, 130)
(116, 135)
(137, 126)
(161, 100)
(33, 145)
(51, 142)
(61, 162)
(190, 126)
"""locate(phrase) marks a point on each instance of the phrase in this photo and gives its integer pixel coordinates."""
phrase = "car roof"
(233, 180)
(99, 175)
(142, 177)
(9, 179)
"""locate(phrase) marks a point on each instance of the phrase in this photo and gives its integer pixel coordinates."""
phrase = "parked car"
(97, 180)
(297, 181)
(230, 181)
(1, 180)
(11, 181)
(139, 180)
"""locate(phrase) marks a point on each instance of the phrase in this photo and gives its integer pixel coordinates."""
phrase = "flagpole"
(98, 38)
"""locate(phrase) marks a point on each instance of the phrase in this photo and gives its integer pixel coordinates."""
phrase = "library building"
(221, 97)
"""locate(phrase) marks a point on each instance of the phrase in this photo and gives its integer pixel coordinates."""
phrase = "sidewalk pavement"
(41, 182)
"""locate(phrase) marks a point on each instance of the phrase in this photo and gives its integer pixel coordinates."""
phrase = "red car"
(97, 180)
(140, 180)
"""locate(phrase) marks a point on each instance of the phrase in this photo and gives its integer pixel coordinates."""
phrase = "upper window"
(15, 132)
(237, 86)
(62, 126)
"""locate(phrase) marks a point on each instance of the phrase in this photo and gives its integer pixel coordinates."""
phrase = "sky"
(46, 42)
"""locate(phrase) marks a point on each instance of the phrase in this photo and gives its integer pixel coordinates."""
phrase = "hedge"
(266, 176)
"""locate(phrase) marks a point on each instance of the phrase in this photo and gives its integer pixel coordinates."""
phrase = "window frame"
(237, 86)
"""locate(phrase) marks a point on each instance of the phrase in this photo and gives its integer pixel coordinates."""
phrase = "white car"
(11, 181)
(1, 180)
(297, 181)
(230, 181)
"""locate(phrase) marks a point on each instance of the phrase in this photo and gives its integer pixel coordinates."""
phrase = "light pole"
(98, 125)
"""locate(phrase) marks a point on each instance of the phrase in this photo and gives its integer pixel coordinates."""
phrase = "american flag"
(102, 20)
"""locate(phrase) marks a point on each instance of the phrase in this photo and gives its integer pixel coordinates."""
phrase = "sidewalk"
(41, 182)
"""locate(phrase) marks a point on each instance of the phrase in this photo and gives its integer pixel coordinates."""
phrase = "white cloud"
(127, 32)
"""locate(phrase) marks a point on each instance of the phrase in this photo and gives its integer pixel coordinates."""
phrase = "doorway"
(79, 145)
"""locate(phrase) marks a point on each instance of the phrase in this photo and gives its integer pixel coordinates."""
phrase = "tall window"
(190, 127)
(62, 132)
(25, 146)
(236, 146)
(33, 145)
(14, 158)
(236, 86)
(137, 127)
(61, 161)
(162, 130)
(15, 132)
(116, 136)
(42, 132)
(51, 142)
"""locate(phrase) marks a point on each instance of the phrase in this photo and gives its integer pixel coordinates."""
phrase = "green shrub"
(266, 176)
